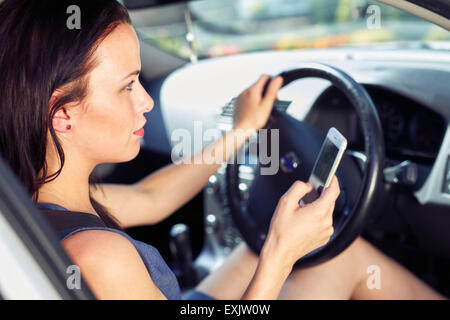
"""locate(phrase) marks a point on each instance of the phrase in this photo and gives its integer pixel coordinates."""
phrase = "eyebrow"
(134, 73)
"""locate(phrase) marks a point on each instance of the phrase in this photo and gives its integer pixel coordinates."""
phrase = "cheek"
(110, 128)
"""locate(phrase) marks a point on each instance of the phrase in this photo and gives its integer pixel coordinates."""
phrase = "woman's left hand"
(251, 110)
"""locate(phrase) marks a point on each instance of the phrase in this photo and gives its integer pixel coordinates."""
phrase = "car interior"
(382, 84)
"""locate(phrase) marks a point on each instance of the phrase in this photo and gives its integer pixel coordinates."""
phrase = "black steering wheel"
(300, 142)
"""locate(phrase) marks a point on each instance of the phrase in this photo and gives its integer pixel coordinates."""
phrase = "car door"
(33, 264)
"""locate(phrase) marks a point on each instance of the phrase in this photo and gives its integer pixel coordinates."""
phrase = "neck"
(71, 188)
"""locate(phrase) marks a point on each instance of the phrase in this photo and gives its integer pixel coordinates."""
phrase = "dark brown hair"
(38, 54)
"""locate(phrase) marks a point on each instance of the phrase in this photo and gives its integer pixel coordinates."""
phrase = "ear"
(60, 119)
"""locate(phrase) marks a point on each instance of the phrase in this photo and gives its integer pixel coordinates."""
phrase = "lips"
(139, 132)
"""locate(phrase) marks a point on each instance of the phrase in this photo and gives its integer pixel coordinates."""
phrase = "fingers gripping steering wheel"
(359, 188)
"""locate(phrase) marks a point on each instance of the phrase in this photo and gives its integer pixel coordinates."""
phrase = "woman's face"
(102, 131)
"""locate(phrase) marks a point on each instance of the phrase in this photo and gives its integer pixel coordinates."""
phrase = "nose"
(146, 102)
(150, 104)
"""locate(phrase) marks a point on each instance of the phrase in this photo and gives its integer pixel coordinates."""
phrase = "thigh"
(334, 279)
(232, 278)
(385, 278)
(347, 276)
(359, 272)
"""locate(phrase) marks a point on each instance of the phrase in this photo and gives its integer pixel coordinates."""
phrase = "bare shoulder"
(92, 243)
(111, 265)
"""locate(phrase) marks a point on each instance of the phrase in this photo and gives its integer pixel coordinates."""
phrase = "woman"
(71, 99)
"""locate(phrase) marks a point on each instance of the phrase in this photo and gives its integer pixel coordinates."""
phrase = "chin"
(123, 155)
(135, 152)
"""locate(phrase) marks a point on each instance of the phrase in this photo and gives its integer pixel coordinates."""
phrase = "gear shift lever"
(180, 247)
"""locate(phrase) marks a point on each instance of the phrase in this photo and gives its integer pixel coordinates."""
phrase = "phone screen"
(325, 161)
(322, 169)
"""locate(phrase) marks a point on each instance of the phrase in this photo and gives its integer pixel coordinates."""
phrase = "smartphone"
(327, 162)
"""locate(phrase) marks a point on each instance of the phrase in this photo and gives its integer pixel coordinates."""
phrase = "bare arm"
(175, 184)
(270, 275)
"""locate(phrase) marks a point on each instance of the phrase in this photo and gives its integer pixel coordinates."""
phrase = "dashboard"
(411, 130)
(409, 88)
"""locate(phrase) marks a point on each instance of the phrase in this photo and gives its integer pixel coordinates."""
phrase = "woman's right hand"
(296, 230)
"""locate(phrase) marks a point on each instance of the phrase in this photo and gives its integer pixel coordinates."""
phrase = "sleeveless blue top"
(160, 273)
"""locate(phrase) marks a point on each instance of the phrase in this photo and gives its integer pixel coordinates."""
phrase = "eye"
(129, 87)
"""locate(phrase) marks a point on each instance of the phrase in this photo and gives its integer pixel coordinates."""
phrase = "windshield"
(212, 28)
